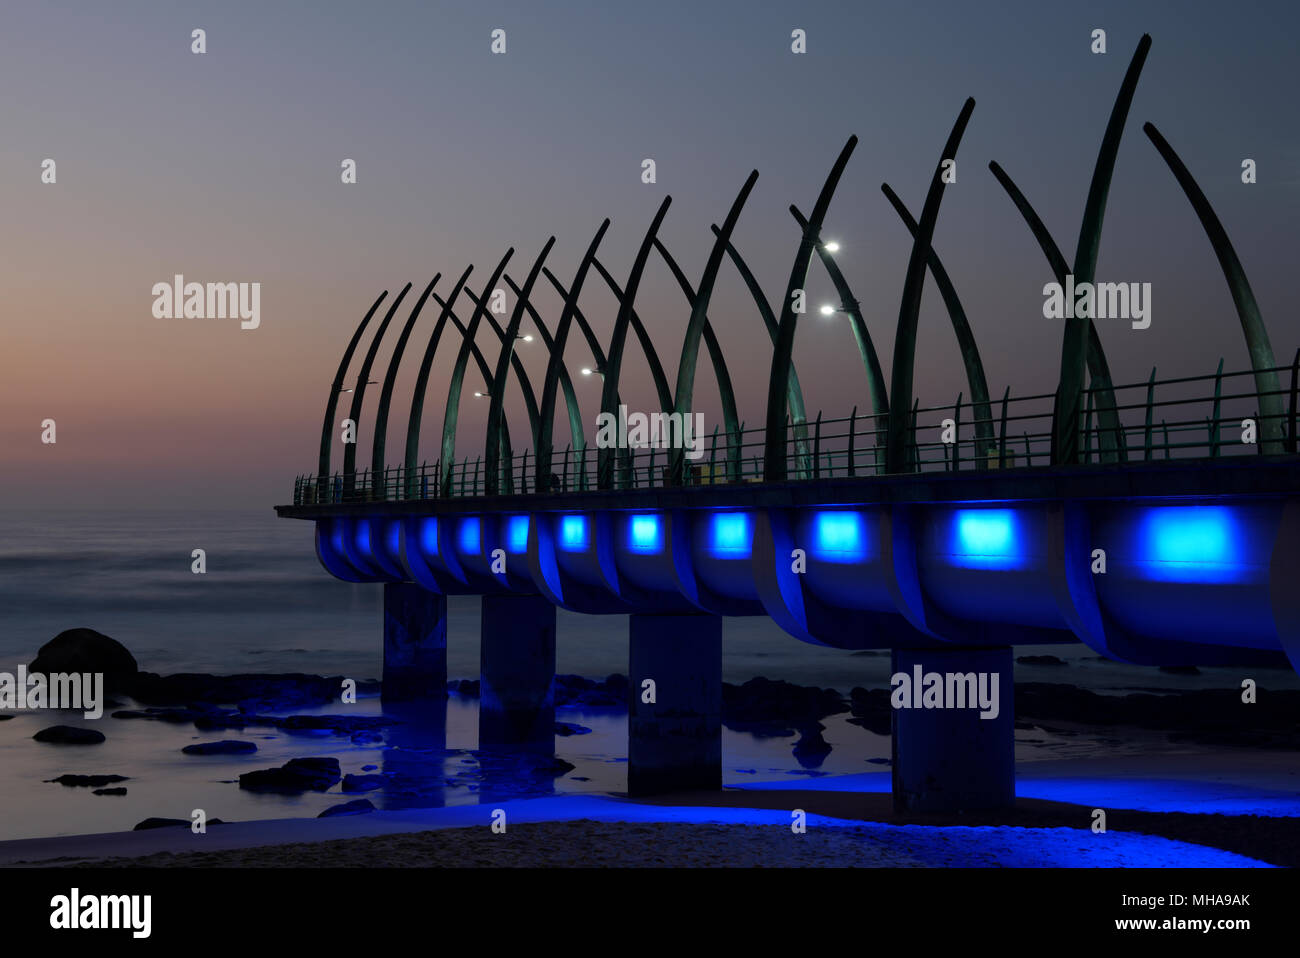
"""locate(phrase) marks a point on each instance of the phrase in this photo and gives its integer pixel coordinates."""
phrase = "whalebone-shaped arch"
(331, 404)
(377, 463)
(614, 359)
(684, 395)
(726, 391)
(774, 452)
(566, 383)
(1074, 347)
(970, 354)
(1112, 436)
(496, 409)
(1267, 388)
(909, 310)
(857, 323)
(359, 393)
(412, 452)
(553, 367)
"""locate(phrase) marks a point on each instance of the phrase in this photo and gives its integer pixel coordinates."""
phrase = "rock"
(5, 718)
(253, 692)
(358, 807)
(85, 650)
(1180, 669)
(69, 735)
(149, 823)
(97, 781)
(228, 746)
(871, 710)
(109, 791)
(811, 749)
(366, 737)
(368, 768)
(880, 761)
(610, 692)
(296, 776)
(362, 783)
(568, 728)
(1040, 660)
(774, 709)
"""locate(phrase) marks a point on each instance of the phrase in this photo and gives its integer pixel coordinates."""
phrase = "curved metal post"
(970, 354)
(910, 309)
(608, 405)
(1267, 387)
(421, 384)
(543, 457)
(390, 379)
(774, 441)
(359, 394)
(331, 404)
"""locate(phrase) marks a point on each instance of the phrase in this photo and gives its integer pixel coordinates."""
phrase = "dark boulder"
(296, 776)
(69, 735)
(149, 823)
(85, 650)
(358, 807)
(568, 728)
(228, 746)
(1040, 660)
(362, 783)
(96, 781)
(109, 791)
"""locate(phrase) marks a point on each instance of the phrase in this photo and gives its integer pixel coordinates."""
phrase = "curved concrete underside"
(1190, 577)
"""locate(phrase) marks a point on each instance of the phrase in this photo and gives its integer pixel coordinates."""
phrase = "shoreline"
(850, 819)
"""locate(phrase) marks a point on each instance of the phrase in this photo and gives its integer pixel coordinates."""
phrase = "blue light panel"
(645, 534)
(361, 538)
(517, 534)
(731, 535)
(987, 539)
(429, 536)
(1191, 544)
(469, 536)
(573, 533)
(839, 536)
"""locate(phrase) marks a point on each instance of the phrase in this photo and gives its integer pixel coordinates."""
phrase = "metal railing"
(1186, 421)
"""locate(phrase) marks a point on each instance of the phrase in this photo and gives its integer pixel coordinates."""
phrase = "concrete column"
(517, 658)
(675, 742)
(950, 759)
(415, 643)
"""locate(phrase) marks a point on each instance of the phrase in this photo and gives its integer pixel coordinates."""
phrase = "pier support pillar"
(517, 681)
(415, 643)
(951, 759)
(674, 742)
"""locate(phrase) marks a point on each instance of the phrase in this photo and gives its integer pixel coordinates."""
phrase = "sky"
(225, 167)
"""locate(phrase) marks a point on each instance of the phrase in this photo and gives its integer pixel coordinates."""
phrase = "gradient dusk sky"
(225, 167)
